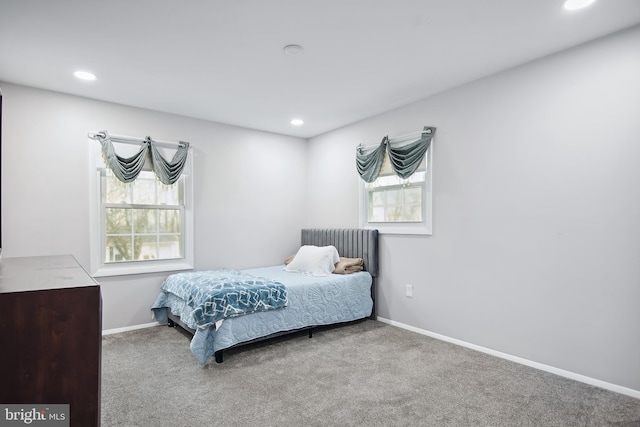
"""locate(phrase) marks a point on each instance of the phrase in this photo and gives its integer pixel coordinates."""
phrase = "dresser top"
(23, 274)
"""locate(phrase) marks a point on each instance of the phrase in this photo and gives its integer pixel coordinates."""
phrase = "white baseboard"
(520, 360)
(129, 328)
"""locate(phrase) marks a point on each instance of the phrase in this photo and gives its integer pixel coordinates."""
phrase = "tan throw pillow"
(349, 265)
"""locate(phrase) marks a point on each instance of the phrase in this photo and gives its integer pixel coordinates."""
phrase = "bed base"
(175, 322)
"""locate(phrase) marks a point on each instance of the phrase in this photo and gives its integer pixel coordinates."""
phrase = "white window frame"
(98, 268)
(424, 227)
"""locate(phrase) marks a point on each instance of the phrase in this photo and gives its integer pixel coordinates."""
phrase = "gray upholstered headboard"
(350, 242)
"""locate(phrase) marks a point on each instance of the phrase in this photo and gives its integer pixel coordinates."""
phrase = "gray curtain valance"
(169, 172)
(127, 169)
(404, 159)
(369, 164)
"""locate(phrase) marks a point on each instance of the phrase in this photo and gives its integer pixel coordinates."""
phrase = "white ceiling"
(223, 60)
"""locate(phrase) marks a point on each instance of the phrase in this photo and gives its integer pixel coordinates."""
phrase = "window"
(143, 226)
(394, 205)
(142, 219)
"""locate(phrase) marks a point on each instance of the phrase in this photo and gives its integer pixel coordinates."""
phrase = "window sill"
(399, 229)
(127, 268)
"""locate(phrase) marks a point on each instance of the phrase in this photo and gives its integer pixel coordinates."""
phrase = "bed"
(293, 301)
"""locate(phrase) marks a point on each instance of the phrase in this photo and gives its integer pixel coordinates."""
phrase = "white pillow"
(314, 260)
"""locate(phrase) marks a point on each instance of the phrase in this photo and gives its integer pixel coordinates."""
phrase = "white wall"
(536, 243)
(250, 188)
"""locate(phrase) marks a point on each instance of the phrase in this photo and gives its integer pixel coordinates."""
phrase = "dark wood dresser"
(51, 335)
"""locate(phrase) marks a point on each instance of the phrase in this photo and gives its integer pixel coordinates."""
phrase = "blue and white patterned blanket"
(220, 294)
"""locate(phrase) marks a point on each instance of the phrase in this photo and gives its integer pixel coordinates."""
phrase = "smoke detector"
(293, 49)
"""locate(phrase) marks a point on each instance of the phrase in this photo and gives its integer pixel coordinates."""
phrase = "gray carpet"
(363, 374)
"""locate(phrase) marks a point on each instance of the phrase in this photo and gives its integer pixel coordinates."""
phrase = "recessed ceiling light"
(293, 49)
(297, 122)
(84, 75)
(576, 4)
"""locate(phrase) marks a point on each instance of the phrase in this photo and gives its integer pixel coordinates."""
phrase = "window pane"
(148, 248)
(118, 221)
(412, 195)
(145, 221)
(145, 248)
(116, 191)
(377, 198)
(398, 204)
(412, 213)
(170, 194)
(170, 246)
(393, 197)
(156, 234)
(393, 213)
(144, 189)
(118, 248)
(169, 221)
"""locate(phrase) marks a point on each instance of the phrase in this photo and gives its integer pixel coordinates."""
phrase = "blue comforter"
(220, 294)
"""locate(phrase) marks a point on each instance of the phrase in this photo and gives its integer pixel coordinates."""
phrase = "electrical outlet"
(408, 290)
